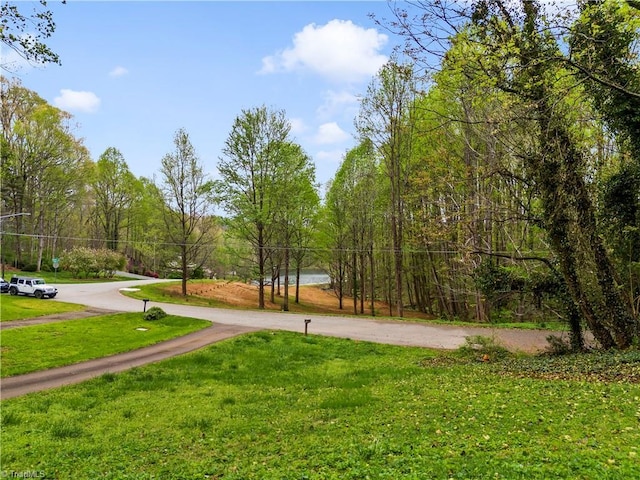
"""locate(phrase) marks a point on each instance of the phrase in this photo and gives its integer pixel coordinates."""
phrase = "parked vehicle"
(4, 285)
(31, 286)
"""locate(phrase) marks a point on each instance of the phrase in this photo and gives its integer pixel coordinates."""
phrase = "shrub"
(154, 313)
(483, 348)
(558, 346)
(90, 261)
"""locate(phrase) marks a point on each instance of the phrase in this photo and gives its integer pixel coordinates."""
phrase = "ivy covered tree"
(513, 48)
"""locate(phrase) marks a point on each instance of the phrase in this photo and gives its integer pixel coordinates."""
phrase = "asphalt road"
(228, 323)
(108, 296)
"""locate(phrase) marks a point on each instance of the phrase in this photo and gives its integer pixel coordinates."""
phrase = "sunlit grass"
(278, 405)
(21, 307)
(39, 347)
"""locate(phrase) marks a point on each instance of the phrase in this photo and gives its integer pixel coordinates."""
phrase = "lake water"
(307, 277)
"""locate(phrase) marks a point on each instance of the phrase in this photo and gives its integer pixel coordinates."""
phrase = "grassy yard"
(21, 307)
(277, 405)
(51, 345)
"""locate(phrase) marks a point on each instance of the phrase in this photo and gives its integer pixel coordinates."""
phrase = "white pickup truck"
(31, 286)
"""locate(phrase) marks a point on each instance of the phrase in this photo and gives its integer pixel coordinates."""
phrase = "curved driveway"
(108, 296)
(228, 323)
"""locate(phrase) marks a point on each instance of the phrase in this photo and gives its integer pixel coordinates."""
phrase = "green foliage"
(25, 33)
(280, 405)
(558, 346)
(154, 313)
(198, 273)
(114, 188)
(620, 211)
(82, 261)
(188, 202)
(493, 279)
(590, 368)
(482, 348)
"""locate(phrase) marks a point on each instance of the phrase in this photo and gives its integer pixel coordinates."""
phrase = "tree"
(385, 119)
(188, 202)
(43, 169)
(298, 198)
(25, 34)
(602, 41)
(251, 179)
(113, 190)
(144, 229)
(515, 50)
(352, 201)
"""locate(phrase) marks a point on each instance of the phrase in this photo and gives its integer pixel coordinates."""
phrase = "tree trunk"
(285, 300)
(571, 224)
(297, 282)
(261, 262)
(185, 274)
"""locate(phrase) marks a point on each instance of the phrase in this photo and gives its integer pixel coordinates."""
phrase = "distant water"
(307, 277)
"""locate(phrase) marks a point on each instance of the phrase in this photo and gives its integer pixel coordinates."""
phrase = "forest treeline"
(497, 176)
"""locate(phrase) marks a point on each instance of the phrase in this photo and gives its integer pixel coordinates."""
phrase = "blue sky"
(134, 72)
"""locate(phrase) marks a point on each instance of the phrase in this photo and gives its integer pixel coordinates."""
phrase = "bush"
(483, 348)
(154, 313)
(89, 261)
(557, 346)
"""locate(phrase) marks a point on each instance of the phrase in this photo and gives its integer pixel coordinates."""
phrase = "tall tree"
(43, 169)
(113, 190)
(603, 45)
(297, 197)
(251, 179)
(188, 204)
(519, 54)
(385, 118)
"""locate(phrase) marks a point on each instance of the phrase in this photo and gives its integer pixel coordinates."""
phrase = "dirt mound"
(312, 298)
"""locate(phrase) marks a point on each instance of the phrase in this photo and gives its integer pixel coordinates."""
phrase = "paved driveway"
(108, 296)
(228, 323)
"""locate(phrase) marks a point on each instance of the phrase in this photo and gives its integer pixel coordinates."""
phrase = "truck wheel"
(38, 294)
(13, 291)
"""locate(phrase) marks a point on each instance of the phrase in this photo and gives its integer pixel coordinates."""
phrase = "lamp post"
(2, 217)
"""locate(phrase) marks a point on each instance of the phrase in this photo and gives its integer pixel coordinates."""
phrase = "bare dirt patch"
(312, 298)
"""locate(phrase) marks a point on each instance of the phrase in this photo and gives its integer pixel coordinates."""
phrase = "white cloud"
(337, 103)
(298, 126)
(330, 133)
(87, 102)
(340, 51)
(118, 71)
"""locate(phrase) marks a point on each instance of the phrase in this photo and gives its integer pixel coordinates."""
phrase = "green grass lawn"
(38, 347)
(20, 307)
(278, 405)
